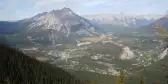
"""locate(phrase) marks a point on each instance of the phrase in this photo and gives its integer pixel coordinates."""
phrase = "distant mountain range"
(62, 26)
(124, 20)
(161, 21)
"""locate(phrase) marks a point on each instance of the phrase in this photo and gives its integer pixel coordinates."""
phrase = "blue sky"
(19, 9)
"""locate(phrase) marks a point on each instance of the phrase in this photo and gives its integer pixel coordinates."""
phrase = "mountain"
(8, 27)
(162, 21)
(54, 27)
(18, 68)
(124, 20)
(63, 20)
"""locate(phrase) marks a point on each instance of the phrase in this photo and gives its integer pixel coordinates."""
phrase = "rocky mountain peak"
(126, 20)
(66, 9)
(62, 23)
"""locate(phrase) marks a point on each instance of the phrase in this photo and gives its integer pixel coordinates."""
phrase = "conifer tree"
(120, 79)
(142, 80)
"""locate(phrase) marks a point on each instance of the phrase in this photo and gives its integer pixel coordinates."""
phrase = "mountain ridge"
(55, 25)
(126, 20)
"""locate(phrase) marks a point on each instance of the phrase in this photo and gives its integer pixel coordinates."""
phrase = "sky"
(19, 9)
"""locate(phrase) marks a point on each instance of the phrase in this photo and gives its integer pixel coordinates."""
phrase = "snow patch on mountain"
(47, 21)
(126, 20)
(57, 24)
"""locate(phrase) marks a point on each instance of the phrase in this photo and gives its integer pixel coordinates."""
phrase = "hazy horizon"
(20, 9)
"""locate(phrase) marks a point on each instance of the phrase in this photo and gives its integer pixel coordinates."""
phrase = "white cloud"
(10, 4)
(45, 3)
(118, 3)
(96, 2)
(28, 8)
(107, 2)
(56, 4)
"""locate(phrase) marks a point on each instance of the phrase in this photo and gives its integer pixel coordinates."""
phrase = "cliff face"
(127, 54)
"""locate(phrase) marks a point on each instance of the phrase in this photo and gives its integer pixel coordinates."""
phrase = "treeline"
(142, 80)
(133, 79)
(18, 68)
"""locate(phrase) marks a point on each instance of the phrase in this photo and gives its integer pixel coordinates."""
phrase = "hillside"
(18, 68)
(162, 21)
(152, 73)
